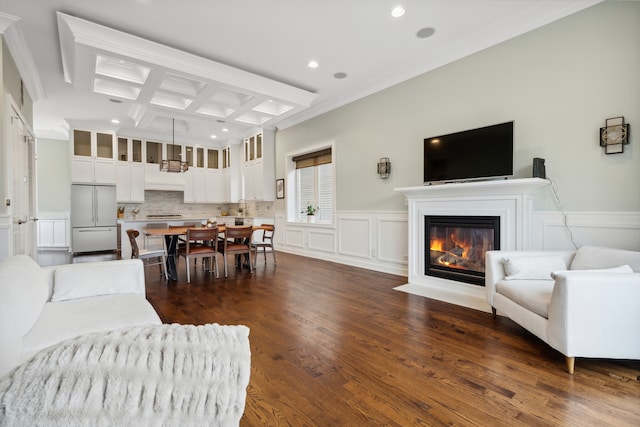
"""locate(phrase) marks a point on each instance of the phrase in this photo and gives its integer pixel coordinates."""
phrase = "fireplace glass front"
(457, 246)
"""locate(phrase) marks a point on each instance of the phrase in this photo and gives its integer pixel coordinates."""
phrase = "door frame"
(24, 136)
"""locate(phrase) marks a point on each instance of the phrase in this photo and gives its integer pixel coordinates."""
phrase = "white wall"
(53, 175)
(559, 83)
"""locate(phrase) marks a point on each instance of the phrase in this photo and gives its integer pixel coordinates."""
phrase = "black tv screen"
(481, 153)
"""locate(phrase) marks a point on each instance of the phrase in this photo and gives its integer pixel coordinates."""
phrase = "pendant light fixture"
(173, 165)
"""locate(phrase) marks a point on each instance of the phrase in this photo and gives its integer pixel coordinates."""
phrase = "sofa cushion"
(623, 269)
(97, 278)
(536, 267)
(68, 319)
(592, 257)
(23, 292)
(534, 295)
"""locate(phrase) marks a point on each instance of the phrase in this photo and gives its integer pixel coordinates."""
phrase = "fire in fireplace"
(457, 246)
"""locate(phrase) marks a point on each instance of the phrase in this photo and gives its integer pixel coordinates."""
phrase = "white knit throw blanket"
(156, 375)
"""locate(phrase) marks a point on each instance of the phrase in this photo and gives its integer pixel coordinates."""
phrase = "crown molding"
(11, 31)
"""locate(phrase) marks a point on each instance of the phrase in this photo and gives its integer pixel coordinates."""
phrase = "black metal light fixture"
(614, 136)
(173, 165)
(384, 168)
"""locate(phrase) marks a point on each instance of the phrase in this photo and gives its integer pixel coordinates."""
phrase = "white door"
(23, 206)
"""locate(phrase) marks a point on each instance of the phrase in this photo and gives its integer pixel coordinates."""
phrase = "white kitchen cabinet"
(129, 171)
(130, 182)
(93, 157)
(195, 186)
(215, 186)
(204, 181)
(52, 233)
(258, 171)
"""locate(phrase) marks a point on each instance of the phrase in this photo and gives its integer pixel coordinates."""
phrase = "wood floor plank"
(336, 345)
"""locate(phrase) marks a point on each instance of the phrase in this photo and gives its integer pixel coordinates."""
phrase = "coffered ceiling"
(220, 70)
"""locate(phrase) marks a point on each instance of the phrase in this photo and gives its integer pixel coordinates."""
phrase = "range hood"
(163, 186)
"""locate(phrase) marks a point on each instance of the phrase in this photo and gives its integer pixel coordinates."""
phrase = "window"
(314, 185)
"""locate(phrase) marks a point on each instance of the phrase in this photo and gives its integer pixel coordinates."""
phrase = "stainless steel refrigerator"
(93, 218)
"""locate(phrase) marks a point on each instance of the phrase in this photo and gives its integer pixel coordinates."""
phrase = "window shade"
(316, 158)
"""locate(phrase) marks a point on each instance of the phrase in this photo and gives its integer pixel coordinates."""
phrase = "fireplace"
(511, 200)
(456, 246)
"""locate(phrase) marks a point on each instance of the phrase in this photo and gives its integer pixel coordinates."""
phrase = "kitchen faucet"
(242, 210)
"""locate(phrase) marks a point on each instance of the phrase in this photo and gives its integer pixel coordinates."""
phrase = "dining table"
(172, 237)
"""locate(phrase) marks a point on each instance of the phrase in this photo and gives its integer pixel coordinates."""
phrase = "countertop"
(181, 219)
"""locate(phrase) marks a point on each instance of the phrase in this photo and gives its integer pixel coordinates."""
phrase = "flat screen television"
(482, 153)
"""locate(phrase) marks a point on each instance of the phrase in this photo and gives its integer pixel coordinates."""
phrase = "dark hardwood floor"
(334, 345)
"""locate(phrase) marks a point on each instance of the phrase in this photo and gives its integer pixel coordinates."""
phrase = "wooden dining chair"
(200, 243)
(265, 243)
(149, 240)
(148, 256)
(237, 241)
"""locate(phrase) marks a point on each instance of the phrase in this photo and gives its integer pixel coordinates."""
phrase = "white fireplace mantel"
(511, 200)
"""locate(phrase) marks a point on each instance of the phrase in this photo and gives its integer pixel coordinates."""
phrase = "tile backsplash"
(172, 202)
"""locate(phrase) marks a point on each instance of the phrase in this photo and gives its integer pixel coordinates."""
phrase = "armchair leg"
(571, 363)
(494, 311)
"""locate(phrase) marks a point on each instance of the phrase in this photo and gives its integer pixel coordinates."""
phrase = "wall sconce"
(614, 136)
(384, 167)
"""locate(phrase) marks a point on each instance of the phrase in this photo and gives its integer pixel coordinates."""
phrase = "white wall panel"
(321, 240)
(5, 237)
(355, 236)
(294, 237)
(610, 229)
(392, 240)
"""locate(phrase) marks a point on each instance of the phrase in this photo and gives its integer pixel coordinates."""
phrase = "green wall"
(559, 83)
(53, 167)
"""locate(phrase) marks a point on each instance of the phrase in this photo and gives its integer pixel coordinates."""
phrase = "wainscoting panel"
(610, 229)
(372, 240)
(294, 237)
(321, 240)
(392, 240)
(355, 236)
(5, 234)
(388, 233)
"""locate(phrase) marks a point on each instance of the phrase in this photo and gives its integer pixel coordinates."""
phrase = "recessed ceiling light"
(340, 75)
(214, 136)
(397, 11)
(425, 32)
(115, 121)
(225, 130)
(313, 64)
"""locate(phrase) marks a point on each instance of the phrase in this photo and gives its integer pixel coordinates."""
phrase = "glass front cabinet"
(129, 171)
(93, 157)
(258, 166)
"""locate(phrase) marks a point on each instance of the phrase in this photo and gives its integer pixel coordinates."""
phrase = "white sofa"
(42, 306)
(591, 309)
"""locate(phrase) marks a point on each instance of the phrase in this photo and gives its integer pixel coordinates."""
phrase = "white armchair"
(590, 308)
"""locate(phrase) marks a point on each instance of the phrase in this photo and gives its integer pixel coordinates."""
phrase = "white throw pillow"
(623, 269)
(93, 279)
(532, 267)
